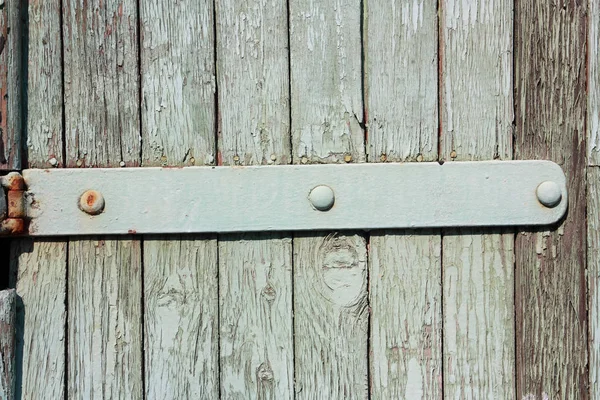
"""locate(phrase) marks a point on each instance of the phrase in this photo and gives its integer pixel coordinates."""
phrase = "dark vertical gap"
(290, 161)
(24, 75)
(140, 92)
(218, 260)
(586, 193)
(5, 263)
(516, 232)
(143, 316)
(218, 161)
(62, 82)
(440, 42)
(66, 348)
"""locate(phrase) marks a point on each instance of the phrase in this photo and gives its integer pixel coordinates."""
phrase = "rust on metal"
(13, 226)
(16, 204)
(91, 202)
(13, 181)
(14, 191)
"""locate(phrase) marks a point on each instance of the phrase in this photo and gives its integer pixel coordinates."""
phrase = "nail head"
(322, 198)
(549, 194)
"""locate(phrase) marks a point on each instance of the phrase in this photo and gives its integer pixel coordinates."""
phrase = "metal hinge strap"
(12, 205)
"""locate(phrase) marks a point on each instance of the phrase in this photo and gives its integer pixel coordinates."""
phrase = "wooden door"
(453, 313)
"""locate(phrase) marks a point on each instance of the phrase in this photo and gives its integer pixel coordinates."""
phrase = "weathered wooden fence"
(457, 313)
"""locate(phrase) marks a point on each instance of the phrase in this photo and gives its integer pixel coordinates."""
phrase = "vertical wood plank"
(255, 271)
(181, 317)
(101, 83)
(38, 273)
(593, 259)
(550, 104)
(330, 271)
(178, 83)
(401, 80)
(44, 86)
(477, 114)
(327, 107)
(8, 313)
(406, 315)
(12, 37)
(593, 89)
(256, 316)
(38, 267)
(180, 272)
(105, 319)
(102, 130)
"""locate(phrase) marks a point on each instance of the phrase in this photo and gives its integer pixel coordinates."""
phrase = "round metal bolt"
(91, 202)
(79, 163)
(122, 164)
(322, 198)
(273, 157)
(348, 158)
(53, 161)
(549, 194)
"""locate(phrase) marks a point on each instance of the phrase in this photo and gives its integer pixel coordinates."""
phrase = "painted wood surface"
(44, 125)
(255, 271)
(101, 77)
(476, 124)
(550, 108)
(102, 129)
(39, 275)
(401, 60)
(8, 314)
(255, 291)
(330, 271)
(13, 15)
(406, 315)
(181, 317)
(593, 277)
(104, 319)
(327, 106)
(178, 83)
(593, 87)
(180, 272)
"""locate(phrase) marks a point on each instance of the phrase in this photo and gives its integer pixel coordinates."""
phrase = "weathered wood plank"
(252, 54)
(101, 83)
(255, 272)
(330, 316)
(38, 273)
(181, 318)
(12, 37)
(550, 105)
(405, 292)
(477, 115)
(104, 307)
(330, 272)
(8, 314)
(180, 273)
(178, 83)
(401, 80)
(256, 322)
(44, 86)
(102, 129)
(38, 267)
(327, 108)
(593, 277)
(593, 86)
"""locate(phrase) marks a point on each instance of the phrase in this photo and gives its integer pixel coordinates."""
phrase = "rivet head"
(322, 198)
(549, 194)
(91, 202)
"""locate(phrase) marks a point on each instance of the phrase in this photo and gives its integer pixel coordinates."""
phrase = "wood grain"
(180, 272)
(593, 278)
(253, 81)
(38, 273)
(477, 115)
(101, 83)
(8, 314)
(12, 38)
(102, 130)
(44, 141)
(255, 271)
(593, 83)
(401, 79)
(330, 271)
(550, 104)
(327, 108)
(104, 306)
(181, 318)
(178, 83)
(255, 291)
(405, 292)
